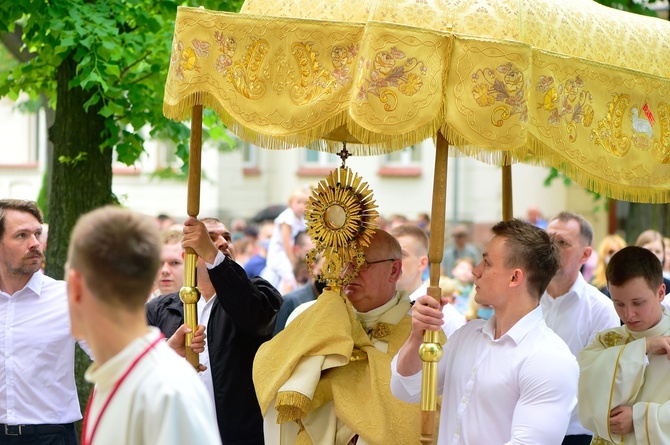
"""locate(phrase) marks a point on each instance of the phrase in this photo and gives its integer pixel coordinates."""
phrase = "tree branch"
(14, 43)
(125, 70)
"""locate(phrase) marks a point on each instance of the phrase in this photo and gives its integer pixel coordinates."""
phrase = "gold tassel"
(291, 405)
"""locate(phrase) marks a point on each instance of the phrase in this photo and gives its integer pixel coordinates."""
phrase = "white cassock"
(161, 401)
(616, 370)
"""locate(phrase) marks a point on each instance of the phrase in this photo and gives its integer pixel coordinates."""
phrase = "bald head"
(384, 244)
(376, 281)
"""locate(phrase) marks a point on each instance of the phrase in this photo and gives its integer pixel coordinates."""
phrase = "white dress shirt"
(37, 383)
(520, 388)
(452, 318)
(204, 308)
(577, 317)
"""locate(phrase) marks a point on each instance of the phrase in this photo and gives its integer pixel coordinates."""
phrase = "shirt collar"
(520, 328)
(659, 329)
(202, 304)
(374, 314)
(108, 373)
(577, 288)
(34, 285)
(35, 282)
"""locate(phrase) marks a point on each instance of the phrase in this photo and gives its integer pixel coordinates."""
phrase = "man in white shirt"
(144, 392)
(38, 396)
(414, 244)
(571, 307)
(502, 379)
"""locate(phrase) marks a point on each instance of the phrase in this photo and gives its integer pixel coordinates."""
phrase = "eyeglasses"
(366, 265)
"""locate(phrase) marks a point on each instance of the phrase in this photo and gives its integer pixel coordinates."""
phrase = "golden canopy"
(570, 84)
(565, 83)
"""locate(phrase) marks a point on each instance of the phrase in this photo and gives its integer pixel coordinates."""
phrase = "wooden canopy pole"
(189, 293)
(431, 350)
(507, 207)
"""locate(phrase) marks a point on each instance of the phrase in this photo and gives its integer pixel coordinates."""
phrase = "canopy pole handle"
(189, 293)
(431, 349)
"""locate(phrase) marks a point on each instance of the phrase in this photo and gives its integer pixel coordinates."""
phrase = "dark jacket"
(166, 313)
(292, 300)
(242, 318)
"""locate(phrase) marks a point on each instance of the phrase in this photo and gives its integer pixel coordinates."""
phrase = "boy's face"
(171, 272)
(413, 264)
(463, 272)
(638, 306)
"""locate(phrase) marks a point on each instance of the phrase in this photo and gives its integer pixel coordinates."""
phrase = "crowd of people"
(529, 331)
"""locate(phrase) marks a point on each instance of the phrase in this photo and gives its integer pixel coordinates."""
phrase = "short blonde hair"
(300, 191)
(171, 236)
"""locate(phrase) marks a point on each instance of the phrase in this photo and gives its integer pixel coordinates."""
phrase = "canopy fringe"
(533, 152)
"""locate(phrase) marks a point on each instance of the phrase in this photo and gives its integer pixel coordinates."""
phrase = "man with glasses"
(325, 378)
(571, 307)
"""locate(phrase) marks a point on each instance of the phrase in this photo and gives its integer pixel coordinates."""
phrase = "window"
(317, 163)
(410, 156)
(249, 158)
(320, 159)
(405, 162)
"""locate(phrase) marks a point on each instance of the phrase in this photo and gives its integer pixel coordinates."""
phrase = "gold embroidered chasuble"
(615, 370)
(324, 367)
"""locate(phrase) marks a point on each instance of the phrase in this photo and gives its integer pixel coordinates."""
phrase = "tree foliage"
(121, 49)
(101, 68)
(636, 7)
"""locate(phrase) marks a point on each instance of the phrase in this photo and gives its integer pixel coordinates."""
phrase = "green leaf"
(113, 70)
(95, 98)
(61, 49)
(67, 42)
(111, 45)
(87, 42)
(106, 111)
(92, 77)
